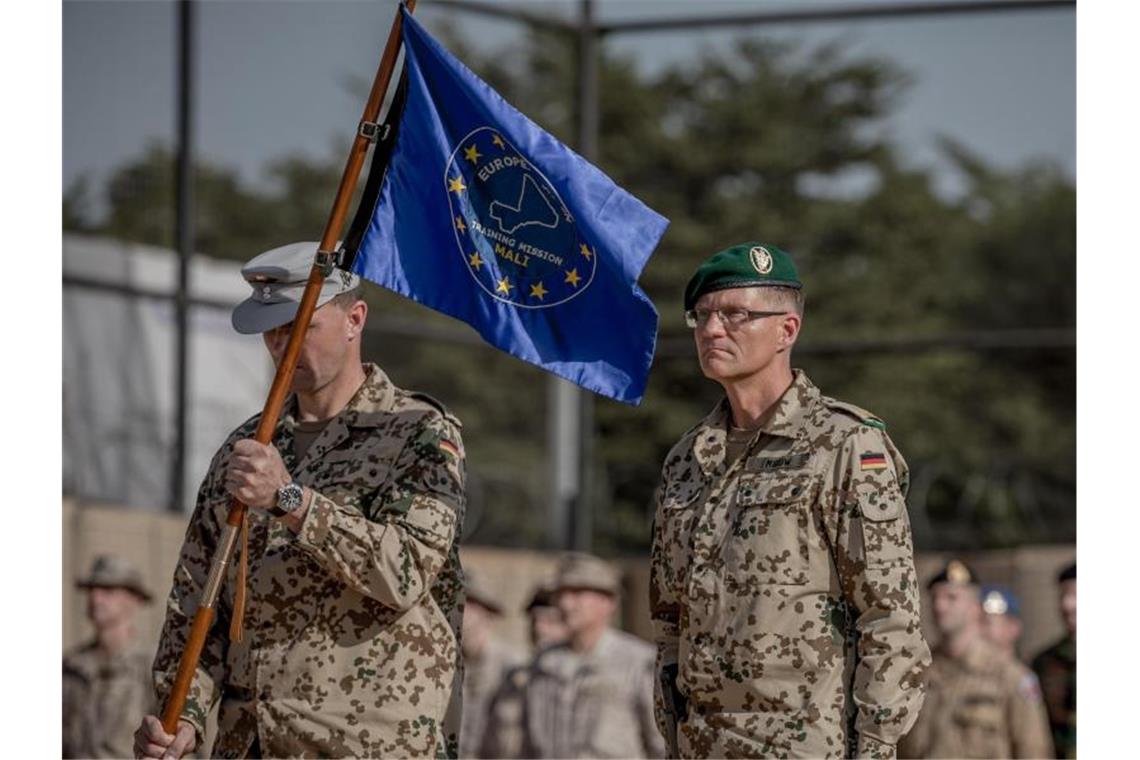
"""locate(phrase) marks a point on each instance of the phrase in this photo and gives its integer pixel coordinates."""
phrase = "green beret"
(742, 266)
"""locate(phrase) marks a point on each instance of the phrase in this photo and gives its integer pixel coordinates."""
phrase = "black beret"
(956, 571)
(1068, 574)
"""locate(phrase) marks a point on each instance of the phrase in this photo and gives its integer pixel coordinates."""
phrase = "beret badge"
(761, 259)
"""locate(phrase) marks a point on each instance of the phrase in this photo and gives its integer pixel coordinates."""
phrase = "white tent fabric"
(119, 371)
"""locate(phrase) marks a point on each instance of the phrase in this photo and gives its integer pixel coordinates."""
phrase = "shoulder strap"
(437, 404)
(857, 412)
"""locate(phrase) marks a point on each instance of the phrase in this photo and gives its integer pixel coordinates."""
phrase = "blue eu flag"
(484, 216)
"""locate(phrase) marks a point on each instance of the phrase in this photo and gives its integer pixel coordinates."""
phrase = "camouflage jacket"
(352, 625)
(1056, 669)
(104, 700)
(594, 705)
(782, 587)
(981, 704)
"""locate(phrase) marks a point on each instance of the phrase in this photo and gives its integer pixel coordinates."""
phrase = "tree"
(770, 142)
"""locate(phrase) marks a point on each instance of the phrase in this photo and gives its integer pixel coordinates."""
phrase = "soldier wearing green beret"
(349, 644)
(783, 591)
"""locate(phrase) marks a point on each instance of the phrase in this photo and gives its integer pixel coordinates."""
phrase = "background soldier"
(592, 695)
(106, 681)
(547, 625)
(980, 702)
(1056, 668)
(782, 566)
(486, 663)
(503, 735)
(354, 589)
(1001, 623)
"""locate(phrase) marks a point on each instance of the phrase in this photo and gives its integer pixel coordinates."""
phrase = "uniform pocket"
(768, 541)
(886, 529)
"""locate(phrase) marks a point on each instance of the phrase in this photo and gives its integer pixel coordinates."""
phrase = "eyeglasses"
(730, 318)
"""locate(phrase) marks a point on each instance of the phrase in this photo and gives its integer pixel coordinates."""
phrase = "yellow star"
(572, 277)
(504, 287)
(499, 141)
(459, 225)
(538, 291)
(475, 260)
(473, 154)
(455, 185)
(586, 250)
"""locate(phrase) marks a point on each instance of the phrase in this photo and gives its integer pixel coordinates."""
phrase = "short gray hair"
(788, 299)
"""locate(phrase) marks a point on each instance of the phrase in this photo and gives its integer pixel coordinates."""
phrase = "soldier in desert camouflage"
(590, 695)
(355, 588)
(783, 590)
(980, 701)
(106, 681)
(505, 732)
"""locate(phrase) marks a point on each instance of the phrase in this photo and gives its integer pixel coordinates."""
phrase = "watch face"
(289, 497)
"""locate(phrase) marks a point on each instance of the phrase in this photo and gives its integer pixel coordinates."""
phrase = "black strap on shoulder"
(381, 155)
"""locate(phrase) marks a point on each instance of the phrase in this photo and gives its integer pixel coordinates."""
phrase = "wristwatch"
(289, 497)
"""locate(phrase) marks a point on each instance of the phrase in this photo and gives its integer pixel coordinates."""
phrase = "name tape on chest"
(786, 462)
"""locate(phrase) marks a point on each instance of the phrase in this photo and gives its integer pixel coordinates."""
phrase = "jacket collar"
(368, 407)
(786, 421)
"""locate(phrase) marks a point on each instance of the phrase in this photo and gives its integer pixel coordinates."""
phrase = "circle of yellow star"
(537, 291)
(504, 286)
(586, 250)
(572, 277)
(473, 154)
(474, 260)
(499, 141)
(455, 185)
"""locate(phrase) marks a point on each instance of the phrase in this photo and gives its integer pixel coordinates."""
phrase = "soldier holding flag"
(354, 588)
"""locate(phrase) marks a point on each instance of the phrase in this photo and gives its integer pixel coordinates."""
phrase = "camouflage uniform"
(482, 678)
(351, 625)
(104, 698)
(594, 705)
(783, 591)
(1056, 669)
(982, 704)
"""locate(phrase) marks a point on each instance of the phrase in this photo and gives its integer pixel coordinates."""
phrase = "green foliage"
(770, 142)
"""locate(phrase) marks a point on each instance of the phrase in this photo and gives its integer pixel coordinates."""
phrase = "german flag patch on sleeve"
(872, 461)
(449, 448)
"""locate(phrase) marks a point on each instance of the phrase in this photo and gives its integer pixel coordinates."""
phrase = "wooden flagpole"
(204, 615)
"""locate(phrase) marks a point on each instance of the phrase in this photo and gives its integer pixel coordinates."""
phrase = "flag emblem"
(449, 448)
(475, 211)
(872, 462)
(513, 232)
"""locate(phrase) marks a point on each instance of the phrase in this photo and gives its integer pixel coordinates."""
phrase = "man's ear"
(357, 313)
(789, 330)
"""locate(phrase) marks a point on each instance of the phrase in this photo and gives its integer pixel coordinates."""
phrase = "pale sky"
(272, 74)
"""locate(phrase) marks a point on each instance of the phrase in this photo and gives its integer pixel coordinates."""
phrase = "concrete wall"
(151, 540)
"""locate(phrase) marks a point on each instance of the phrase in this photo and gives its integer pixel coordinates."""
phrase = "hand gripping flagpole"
(325, 259)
